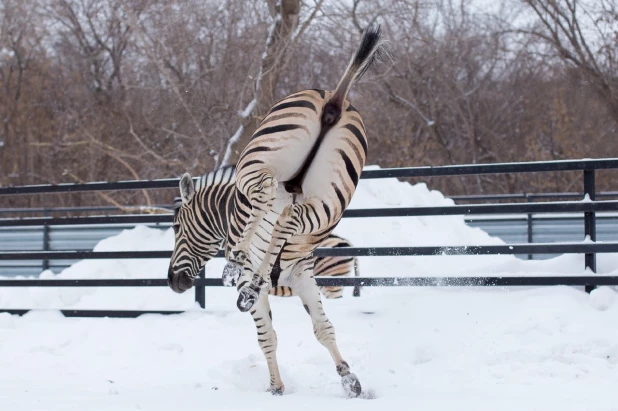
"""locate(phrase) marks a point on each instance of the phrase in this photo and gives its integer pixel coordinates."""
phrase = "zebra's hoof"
(231, 274)
(246, 298)
(276, 390)
(351, 385)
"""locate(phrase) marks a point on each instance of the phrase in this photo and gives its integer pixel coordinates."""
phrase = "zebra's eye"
(176, 227)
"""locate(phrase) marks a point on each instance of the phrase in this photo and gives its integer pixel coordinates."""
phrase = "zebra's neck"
(215, 193)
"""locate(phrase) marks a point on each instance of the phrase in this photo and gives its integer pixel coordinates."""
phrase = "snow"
(429, 349)
(248, 110)
(468, 348)
(232, 141)
(602, 298)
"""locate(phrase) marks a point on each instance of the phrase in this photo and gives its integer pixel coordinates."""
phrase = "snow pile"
(438, 231)
(602, 298)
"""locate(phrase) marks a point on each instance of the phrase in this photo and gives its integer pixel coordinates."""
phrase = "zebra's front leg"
(267, 340)
(309, 293)
(260, 192)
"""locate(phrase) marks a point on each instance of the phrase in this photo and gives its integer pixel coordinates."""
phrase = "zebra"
(212, 200)
(295, 178)
(200, 225)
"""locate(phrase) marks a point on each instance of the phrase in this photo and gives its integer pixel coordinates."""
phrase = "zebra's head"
(187, 259)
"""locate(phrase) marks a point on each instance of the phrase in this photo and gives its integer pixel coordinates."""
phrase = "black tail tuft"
(369, 51)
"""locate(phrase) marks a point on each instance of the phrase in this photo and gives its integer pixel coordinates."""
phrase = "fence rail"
(148, 209)
(526, 196)
(48, 210)
(503, 281)
(589, 248)
(512, 229)
(201, 283)
(404, 172)
(562, 248)
(480, 209)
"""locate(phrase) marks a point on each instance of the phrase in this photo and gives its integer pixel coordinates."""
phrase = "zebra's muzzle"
(180, 282)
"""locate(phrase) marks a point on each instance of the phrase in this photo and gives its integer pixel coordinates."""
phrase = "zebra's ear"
(187, 189)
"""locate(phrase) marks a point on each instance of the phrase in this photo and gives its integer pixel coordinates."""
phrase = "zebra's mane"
(221, 176)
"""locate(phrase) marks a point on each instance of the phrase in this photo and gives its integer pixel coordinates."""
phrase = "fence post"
(529, 223)
(45, 240)
(200, 291)
(590, 227)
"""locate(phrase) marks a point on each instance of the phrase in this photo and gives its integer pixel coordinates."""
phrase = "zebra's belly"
(295, 278)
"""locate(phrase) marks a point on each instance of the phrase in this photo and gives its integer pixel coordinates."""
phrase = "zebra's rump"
(289, 138)
(327, 267)
(285, 147)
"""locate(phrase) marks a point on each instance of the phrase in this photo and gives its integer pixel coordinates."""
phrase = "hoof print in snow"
(278, 391)
(351, 385)
(368, 395)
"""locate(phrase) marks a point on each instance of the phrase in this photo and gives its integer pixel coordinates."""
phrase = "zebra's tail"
(357, 288)
(370, 50)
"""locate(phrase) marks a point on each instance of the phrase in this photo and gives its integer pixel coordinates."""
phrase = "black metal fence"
(145, 209)
(589, 207)
(106, 210)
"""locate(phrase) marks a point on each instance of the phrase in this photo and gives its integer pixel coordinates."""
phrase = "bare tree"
(20, 42)
(281, 34)
(95, 90)
(584, 36)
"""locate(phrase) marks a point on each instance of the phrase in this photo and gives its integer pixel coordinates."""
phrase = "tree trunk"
(285, 22)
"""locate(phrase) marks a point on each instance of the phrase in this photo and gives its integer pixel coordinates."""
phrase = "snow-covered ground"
(553, 348)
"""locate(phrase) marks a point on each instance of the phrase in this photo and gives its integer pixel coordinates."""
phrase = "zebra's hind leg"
(297, 218)
(267, 340)
(324, 331)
